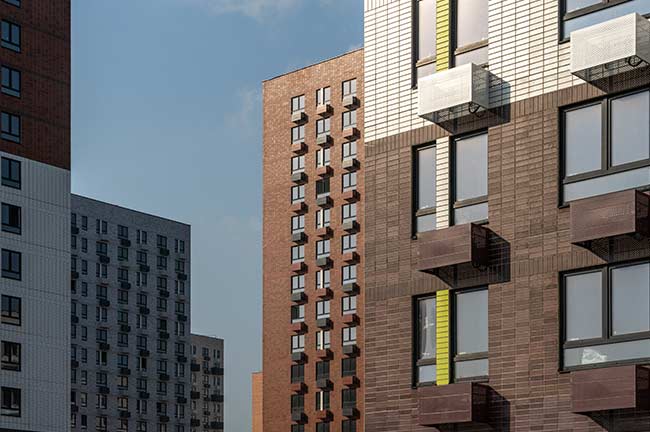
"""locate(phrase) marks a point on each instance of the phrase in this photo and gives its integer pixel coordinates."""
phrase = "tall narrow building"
(130, 320)
(207, 390)
(507, 219)
(35, 197)
(313, 248)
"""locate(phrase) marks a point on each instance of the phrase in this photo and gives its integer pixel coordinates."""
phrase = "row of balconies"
(213, 425)
(325, 354)
(325, 110)
(298, 415)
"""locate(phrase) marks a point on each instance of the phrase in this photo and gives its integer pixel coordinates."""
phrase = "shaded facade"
(207, 383)
(313, 247)
(35, 197)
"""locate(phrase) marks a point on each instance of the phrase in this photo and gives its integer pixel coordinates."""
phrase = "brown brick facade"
(44, 62)
(524, 332)
(277, 241)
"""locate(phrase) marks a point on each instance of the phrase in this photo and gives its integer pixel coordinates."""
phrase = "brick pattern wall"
(277, 239)
(523, 308)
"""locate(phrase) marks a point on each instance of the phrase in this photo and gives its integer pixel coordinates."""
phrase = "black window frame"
(567, 16)
(13, 2)
(456, 50)
(9, 411)
(323, 370)
(10, 43)
(348, 366)
(11, 273)
(453, 203)
(300, 100)
(323, 96)
(10, 134)
(420, 212)
(349, 398)
(9, 315)
(453, 338)
(298, 134)
(417, 362)
(323, 126)
(15, 170)
(11, 364)
(606, 318)
(606, 169)
(12, 88)
(8, 226)
(298, 373)
(352, 82)
(349, 119)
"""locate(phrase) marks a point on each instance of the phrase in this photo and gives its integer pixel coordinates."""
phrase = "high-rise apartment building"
(312, 248)
(507, 260)
(207, 383)
(130, 334)
(35, 198)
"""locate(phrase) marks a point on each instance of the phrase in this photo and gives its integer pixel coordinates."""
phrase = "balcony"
(351, 196)
(324, 110)
(350, 226)
(324, 293)
(299, 237)
(350, 288)
(163, 419)
(103, 346)
(454, 94)
(299, 387)
(351, 257)
(195, 367)
(460, 403)
(324, 171)
(351, 381)
(125, 285)
(610, 49)
(163, 335)
(324, 232)
(298, 416)
(299, 207)
(324, 383)
(299, 147)
(216, 370)
(324, 140)
(163, 293)
(324, 353)
(216, 398)
(324, 415)
(613, 388)
(350, 101)
(452, 247)
(299, 117)
(298, 267)
(163, 377)
(181, 359)
(299, 178)
(298, 357)
(216, 425)
(181, 399)
(195, 395)
(350, 133)
(351, 350)
(144, 268)
(144, 353)
(299, 327)
(125, 371)
(350, 164)
(324, 323)
(195, 422)
(103, 302)
(104, 259)
(324, 262)
(299, 297)
(124, 328)
(163, 251)
(125, 414)
(324, 201)
(351, 319)
(181, 276)
(144, 310)
(143, 395)
(124, 242)
(611, 216)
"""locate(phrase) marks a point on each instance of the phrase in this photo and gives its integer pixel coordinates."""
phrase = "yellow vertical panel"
(442, 34)
(442, 337)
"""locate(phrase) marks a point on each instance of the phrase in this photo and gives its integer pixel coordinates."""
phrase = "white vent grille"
(454, 93)
(611, 48)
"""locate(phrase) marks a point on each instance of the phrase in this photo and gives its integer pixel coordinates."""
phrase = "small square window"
(11, 218)
(10, 36)
(10, 81)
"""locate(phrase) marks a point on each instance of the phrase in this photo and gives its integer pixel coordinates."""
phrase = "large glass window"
(425, 189)
(606, 146)
(298, 103)
(606, 315)
(471, 32)
(578, 14)
(470, 312)
(470, 179)
(426, 340)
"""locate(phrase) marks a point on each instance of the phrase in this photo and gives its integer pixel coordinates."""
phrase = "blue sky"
(166, 119)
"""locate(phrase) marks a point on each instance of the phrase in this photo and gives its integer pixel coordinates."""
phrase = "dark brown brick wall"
(523, 311)
(44, 105)
(277, 94)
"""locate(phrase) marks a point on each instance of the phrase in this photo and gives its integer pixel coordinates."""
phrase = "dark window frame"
(456, 50)
(10, 365)
(11, 273)
(7, 227)
(14, 391)
(453, 338)
(415, 178)
(453, 203)
(13, 2)
(606, 318)
(10, 44)
(606, 169)
(13, 88)
(9, 318)
(8, 179)
(416, 342)
(565, 16)
(11, 135)
(300, 100)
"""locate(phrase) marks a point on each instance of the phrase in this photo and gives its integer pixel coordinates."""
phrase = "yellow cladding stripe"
(442, 337)
(442, 34)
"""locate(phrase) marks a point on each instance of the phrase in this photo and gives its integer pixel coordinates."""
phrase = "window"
(323, 187)
(10, 402)
(349, 336)
(349, 274)
(425, 358)
(11, 220)
(297, 403)
(322, 279)
(297, 428)
(322, 401)
(323, 427)
(298, 164)
(578, 14)
(322, 248)
(297, 103)
(349, 305)
(297, 223)
(349, 243)
(297, 253)
(297, 343)
(323, 309)
(297, 193)
(349, 212)
(426, 37)
(10, 36)
(298, 134)
(425, 188)
(470, 328)
(322, 339)
(297, 373)
(470, 179)
(161, 241)
(323, 96)
(603, 158)
(322, 370)
(349, 366)
(349, 87)
(606, 315)
(471, 32)
(123, 231)
(323, 218)
(323, 126)
(349, 119)
(11, 173)
(349, 149)
(10, 127)
(10, 356)
(13, 2)
(298, 283)
(349, 181)
(10, 81)
(349, 398)
(323, 157)
(11, 264)
(122, 253)
(297, 313)
(349, 425)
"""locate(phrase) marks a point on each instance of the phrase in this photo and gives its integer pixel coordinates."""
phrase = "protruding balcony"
(350, 133)
(324, 293)
(454, 246)
(324, 323)
(299, 147)
(299, 297)
(351, 195)
(324, 140)
(351, 319)
(324, 232)
(324, 415)
(610, 48)
(454, 94)
(460, 403)
(298, 267)
(299, 327)
(350, 101)
(350, 288)
(324, 171)
(299, 117)
(610, 216)
(350, 164)
(350, 226)
(299, 357)
(324, 201)
(299, 387)
(613, 388)
(299, 178)
(324, 110)
(324, 262)
(351, 381)
(324, 354)
(299, 237)
(351, 257)
(299, 207)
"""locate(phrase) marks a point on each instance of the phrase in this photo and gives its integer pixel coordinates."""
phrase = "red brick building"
(313, 247)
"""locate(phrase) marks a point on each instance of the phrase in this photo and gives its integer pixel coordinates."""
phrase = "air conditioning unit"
(610, 48)
(453, 94)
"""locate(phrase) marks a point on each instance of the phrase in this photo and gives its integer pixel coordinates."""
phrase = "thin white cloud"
(241, 118)
(251, 8)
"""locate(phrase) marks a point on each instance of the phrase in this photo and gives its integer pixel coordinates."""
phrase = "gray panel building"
(207, 383)
(130, 334)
